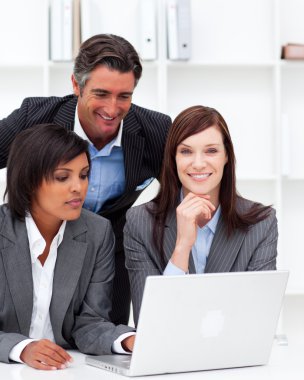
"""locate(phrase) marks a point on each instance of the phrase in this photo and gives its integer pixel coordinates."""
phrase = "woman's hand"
(46, 355)
(128, 343)
(194, 210)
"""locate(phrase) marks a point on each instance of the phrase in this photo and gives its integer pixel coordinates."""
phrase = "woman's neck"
(47, 228)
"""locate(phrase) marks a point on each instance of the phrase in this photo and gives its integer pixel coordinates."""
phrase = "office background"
(234, 66)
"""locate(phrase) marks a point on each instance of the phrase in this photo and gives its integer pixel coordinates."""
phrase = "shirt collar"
(81, 133)
(36, 240)
(214, 220)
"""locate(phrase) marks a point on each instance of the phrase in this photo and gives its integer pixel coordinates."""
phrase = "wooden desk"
(286, 362)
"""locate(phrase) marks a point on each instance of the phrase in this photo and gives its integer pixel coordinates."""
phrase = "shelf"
(292, 179)
(257, 179)
(290, 64)
(21, 66)
(217, 64)
(60, 64)
(295, 292)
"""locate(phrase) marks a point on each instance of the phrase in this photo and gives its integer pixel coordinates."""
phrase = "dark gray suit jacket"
(82, 286)
(242, 251)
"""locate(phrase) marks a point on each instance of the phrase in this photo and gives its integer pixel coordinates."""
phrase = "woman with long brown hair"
(198, 223)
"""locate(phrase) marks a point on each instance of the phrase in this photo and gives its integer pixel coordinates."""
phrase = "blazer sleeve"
(93, 333)
(7, 342)
(265, 254)
(141, 258)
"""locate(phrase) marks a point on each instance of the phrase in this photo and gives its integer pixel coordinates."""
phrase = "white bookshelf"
(235, 67)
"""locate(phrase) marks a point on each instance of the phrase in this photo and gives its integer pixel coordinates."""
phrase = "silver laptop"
(203, 322)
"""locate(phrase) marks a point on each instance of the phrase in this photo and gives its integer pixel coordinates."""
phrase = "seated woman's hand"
(194, 210)
(46, 355)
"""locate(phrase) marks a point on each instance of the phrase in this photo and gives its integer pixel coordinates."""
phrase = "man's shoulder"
(145, 113)
(47, 101)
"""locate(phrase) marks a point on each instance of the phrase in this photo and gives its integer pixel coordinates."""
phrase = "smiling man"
(126, 141)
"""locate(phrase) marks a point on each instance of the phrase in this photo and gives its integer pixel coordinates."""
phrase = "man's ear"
(75, 85)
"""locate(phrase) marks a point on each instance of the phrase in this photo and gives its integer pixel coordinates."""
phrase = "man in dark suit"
(126, 141)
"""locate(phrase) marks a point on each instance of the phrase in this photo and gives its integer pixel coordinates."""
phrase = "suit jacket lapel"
(224, 249)
(170, 239)
(18, 267)
(70, 257)
(133, 147)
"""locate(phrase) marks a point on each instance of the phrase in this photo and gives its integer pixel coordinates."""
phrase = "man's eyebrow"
(101, 91)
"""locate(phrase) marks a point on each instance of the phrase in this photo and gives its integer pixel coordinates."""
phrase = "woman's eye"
(61, 179)
(185, 151)
(211, 151)
(84, 176)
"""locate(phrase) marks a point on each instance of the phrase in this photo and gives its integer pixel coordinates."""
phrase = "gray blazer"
(82, 287)
(241, 251)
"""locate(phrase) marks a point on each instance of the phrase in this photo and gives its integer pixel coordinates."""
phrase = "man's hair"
(106, 49)
(34, 155)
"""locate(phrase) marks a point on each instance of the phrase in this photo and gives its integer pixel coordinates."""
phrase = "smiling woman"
(198, 223)
(56, 259)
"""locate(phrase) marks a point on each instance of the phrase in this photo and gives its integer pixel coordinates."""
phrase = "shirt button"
(40, 316)
(93, 189)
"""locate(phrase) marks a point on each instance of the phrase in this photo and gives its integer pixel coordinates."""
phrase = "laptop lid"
(208, 321)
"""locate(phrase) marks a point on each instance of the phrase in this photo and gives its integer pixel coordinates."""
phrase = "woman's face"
(61, 197)
(200, 161)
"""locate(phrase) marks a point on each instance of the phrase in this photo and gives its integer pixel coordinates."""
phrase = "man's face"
(103, 103)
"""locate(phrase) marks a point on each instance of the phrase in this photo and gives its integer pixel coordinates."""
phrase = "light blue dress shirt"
(107, 173)
(201, 247)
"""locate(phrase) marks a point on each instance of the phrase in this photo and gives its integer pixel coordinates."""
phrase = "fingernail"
(63, 366)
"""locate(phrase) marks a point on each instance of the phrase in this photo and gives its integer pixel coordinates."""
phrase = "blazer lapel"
(18, 268)
(224, 249)
(170, 239)
(70, 257)
(133, 147)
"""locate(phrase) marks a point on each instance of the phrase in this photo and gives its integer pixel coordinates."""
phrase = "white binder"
(67, 35)
(148, 35)
(179, 29)
(61, 33)
(91, 18)
(56, 27)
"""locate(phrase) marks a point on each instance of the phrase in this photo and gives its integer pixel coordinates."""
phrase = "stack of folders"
(69, 17)
(92, 22)
(179, 29)
(293, 51)
(64, 29)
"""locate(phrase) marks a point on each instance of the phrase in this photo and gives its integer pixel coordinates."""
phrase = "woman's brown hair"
(189, 122)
